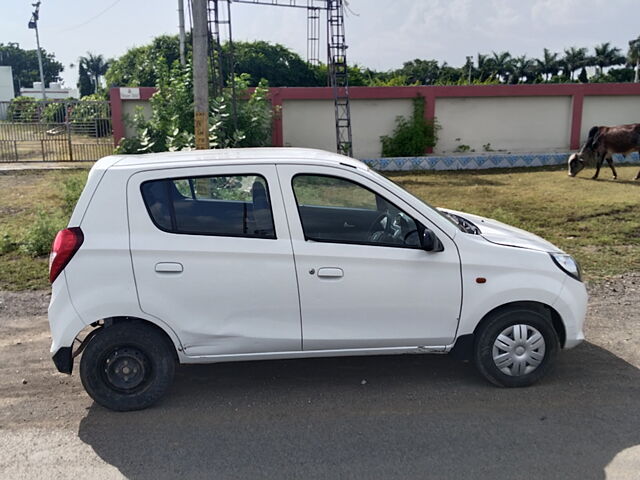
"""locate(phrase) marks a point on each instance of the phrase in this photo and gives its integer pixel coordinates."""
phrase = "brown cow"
(602, 143)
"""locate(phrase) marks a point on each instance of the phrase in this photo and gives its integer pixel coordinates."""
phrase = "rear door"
(212, 258)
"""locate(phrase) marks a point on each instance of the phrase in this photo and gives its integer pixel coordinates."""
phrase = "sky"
(381, 34)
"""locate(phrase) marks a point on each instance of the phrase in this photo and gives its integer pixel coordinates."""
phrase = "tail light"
(65, 246)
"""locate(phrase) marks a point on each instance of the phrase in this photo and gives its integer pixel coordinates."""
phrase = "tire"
(526, 354)
(127, 366)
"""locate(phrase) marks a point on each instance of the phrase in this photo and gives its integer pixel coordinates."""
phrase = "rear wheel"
(127, 366)
(516, 347)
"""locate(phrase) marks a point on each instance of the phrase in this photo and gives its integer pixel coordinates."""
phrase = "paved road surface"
(362, 418)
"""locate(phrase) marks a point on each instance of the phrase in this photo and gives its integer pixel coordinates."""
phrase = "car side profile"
(270, 253)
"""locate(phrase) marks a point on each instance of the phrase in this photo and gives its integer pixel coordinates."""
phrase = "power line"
(75, 27)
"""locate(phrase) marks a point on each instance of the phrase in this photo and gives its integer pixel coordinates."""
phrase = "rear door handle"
(169, 267)
(330, 272)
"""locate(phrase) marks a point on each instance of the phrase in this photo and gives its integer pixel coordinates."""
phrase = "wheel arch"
(464, 345)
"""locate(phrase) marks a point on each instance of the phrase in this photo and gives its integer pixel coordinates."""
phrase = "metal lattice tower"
(222, 65)
(336, 54)
(339, 75)
(313, 36)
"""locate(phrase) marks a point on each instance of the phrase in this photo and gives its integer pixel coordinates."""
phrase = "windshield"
(444, 215)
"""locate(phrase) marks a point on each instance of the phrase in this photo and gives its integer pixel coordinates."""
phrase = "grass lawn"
(596, 221)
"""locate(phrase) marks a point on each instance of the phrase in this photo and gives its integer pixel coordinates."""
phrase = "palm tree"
(484, 67)
(523, 67)
(574, 59)
(548, 64)
(502, 65)
(633, 57)
(606, 56)
(96, 66)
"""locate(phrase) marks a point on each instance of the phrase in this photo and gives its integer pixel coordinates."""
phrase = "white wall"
(608, 111)
(311, 123)
(513, 124)
(6, 84)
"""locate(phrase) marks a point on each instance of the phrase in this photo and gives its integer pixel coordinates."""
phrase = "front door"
(364, 281)
(212, 258)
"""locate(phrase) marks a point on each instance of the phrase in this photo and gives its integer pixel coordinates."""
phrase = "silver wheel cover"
(518, 350)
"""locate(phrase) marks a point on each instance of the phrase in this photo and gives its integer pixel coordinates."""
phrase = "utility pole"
(470, 62)
(200, 40)
(33, 23)
(181, 30)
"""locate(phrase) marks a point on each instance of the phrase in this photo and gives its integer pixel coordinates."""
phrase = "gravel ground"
(368, 417)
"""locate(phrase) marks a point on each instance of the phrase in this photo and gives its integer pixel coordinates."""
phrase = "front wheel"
(516, 347)
(127, 366)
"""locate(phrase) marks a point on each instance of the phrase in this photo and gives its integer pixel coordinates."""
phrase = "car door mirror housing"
(430, 242)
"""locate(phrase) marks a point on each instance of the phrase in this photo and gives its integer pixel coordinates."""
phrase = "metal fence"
(54, 130)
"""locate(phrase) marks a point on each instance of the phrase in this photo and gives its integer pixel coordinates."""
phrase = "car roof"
(231, 155)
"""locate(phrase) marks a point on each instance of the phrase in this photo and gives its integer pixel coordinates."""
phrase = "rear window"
(227, 205)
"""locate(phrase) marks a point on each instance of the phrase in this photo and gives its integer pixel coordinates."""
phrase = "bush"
(23, 110)
(40, 235)
(170, 127)
(7, 244)
(411, 137)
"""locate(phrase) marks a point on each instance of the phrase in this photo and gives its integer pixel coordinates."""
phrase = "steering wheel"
(375, 234)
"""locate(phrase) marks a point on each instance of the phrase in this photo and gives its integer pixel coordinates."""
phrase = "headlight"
(568, 264)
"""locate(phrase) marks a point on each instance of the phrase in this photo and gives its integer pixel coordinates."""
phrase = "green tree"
(501, 65)
(85, 86)
(96, 67)
(574, 59)
(548, 65)
(633, 57)
(24, 65)
(420, 72)
(143, 66)
(277, 64)
(606, 56)
(523, 70)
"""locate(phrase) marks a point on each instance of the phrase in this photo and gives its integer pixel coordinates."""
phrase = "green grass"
(597, 221)
(33, 205)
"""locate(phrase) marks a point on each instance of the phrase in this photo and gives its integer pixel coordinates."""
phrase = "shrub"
(411, 137)
(41, 233)
(7, 244)
(23, 110)
(171, 128)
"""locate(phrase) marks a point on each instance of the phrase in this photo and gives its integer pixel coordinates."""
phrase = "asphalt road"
(361, 418)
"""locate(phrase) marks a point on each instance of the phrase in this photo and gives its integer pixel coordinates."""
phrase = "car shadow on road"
(376, 417)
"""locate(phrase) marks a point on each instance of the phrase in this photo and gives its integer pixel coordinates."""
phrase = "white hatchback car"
(254, 254)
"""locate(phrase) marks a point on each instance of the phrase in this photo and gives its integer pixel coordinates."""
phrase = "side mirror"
(429, 242)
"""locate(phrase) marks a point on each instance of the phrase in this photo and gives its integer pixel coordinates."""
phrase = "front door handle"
(330, 272)
(169, 267)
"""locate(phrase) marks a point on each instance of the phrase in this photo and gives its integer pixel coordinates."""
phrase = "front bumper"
(572, 307)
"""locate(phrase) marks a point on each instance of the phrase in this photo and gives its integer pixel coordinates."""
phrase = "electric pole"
(200, 74)
(33, 23)
(181, 30)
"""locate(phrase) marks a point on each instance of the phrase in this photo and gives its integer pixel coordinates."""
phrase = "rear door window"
(226, 205)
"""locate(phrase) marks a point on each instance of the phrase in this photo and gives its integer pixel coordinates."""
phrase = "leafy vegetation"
(596, 221)
(35, 205)
(410, 137)
(171, 128)
(279, 66)
(24, 65)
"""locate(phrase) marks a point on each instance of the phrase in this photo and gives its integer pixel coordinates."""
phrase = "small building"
(54, 92)
(6, 84)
